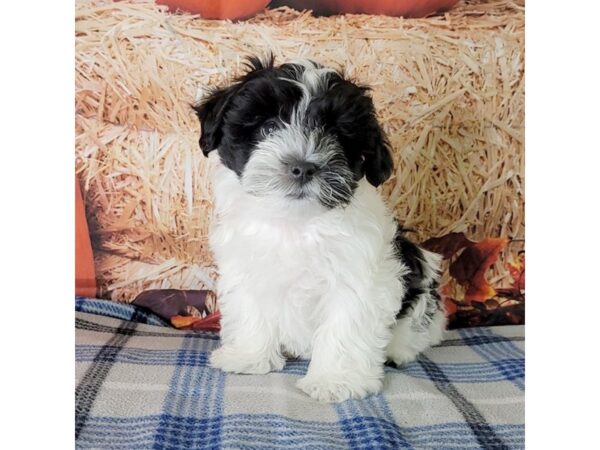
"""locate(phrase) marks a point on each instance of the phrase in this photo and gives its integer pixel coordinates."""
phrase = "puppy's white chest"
(280, 269)
(278, 252)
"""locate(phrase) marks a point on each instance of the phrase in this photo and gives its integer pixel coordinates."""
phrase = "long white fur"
(300, 280)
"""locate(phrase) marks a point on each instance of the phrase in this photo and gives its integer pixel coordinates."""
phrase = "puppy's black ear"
(378, 164)
(211, 111)
(348, 110)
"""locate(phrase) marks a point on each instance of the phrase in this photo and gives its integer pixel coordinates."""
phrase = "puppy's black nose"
(303, 171)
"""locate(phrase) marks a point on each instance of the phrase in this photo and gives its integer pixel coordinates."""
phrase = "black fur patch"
(346, 111)
(415, 283)
(231, 117)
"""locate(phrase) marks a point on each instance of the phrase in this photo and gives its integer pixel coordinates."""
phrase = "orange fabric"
(217, 9)
(85, 274)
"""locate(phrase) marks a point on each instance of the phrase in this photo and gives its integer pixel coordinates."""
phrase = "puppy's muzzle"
(303, 171)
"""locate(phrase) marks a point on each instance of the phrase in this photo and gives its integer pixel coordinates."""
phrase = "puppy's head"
(296, 131)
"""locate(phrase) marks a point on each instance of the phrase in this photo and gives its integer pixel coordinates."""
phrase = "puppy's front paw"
(230, 359)
(337, 389)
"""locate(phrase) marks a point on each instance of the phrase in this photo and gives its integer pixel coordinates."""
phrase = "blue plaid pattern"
(144, 386)
(118, 310)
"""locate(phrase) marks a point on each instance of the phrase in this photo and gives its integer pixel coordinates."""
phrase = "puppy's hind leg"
(422, 327)
(422, 320)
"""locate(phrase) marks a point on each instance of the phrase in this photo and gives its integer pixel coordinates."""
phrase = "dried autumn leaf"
(517, 272)
(470, 267)
(447, 245)
(183, 321)
(503, 315)
(446, 290)
(479, 306)
(450, 306)
(212, 322)
(491, 304)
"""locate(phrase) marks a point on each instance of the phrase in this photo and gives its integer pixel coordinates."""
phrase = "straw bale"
(449, 91)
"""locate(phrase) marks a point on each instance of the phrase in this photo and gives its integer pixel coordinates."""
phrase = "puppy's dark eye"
(269, 127)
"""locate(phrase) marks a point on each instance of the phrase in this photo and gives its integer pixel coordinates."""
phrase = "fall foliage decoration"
(186, 309)
(469, 298)
(212, 322)
(517, 272)
(470, 267)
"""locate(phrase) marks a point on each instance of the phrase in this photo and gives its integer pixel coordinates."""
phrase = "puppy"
(312, 263)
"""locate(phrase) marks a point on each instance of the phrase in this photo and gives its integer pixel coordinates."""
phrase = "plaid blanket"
(148, 386)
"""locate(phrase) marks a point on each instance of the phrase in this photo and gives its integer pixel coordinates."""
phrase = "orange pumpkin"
(406, 8)
(85, 274)
(217, 9)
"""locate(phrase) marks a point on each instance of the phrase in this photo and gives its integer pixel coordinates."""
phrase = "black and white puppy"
(312, 263)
